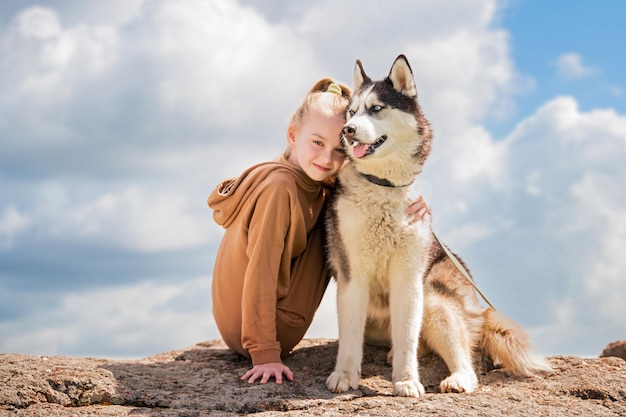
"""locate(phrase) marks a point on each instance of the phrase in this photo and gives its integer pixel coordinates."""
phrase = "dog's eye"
(376, 108)
(351, 112)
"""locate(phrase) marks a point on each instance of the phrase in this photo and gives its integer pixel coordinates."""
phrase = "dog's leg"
(406, 309)
(446, 331)
(352, 300)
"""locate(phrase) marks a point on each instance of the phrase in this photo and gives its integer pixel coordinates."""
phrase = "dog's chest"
(375, 221)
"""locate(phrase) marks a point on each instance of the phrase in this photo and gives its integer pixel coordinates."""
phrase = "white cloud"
(559, 143)
(464, 75)
(46, 58)
(570, 161)
(411, 19)
(37, 22)
(601, 205)
(176, 75)
(198, 68)
(570, 66)
(133, 218)
(460, 59)
(118, 321)
(473, 155)
(533, 179)
(472, 233)
(219, 61)
(116, 12)
(12, 222)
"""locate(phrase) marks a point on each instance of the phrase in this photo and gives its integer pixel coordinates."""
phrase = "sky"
(118, 118)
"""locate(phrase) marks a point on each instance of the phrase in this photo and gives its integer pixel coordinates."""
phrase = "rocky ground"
(203, 380)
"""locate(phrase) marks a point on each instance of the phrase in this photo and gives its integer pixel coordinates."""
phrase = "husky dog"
(394, 279)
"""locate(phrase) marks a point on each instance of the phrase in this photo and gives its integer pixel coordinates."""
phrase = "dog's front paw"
(410, 388)
(459, 382)
(342, 381)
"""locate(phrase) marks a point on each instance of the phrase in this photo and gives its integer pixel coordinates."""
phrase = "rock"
(204, 380)
(617, 349)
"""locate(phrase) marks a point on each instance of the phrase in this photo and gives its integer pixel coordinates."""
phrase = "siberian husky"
(395, 283)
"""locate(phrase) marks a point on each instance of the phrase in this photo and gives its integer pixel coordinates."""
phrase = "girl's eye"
(342, 151)
(318, 142)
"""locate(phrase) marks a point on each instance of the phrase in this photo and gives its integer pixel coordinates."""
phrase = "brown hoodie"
(270, 213)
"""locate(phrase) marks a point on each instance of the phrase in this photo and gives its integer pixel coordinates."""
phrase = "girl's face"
(315, 144)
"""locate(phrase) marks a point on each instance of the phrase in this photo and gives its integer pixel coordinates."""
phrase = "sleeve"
(268, 229)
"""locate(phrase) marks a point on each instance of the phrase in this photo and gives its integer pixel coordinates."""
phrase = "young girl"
(269, 275)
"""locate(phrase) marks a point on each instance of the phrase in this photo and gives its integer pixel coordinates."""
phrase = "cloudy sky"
(118, 118)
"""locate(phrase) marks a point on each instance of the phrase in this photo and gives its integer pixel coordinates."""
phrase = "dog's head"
(384, 121)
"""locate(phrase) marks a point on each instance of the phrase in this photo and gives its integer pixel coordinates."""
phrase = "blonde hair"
(324, 94)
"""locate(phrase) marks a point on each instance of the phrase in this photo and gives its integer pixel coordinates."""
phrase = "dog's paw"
(409, 388)
(342, 381)
(390, 357)
(459, 382)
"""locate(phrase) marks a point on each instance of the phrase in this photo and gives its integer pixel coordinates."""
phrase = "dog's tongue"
(360, 150)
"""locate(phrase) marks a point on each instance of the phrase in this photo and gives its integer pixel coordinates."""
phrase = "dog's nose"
(348, 131)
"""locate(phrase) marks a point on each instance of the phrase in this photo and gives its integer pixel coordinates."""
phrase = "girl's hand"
(418, 210)
(266, 371)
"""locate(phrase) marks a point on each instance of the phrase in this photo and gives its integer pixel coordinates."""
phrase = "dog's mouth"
(360, 149)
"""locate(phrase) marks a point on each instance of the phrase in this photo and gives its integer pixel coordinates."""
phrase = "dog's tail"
(507, 343)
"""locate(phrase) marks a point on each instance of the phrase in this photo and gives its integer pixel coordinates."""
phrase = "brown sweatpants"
(294, 312)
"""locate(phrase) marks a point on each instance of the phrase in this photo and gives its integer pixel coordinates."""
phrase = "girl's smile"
(315, 146)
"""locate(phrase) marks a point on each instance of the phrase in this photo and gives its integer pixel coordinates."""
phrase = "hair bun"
(334, 88)
(328, 85)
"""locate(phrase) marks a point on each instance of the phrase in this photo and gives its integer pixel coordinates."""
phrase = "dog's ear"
(401, 77)
(360, 77)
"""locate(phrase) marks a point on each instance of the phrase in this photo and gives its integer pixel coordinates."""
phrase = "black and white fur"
(395, 285)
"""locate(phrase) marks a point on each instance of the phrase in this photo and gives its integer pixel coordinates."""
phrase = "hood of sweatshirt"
(230, 196)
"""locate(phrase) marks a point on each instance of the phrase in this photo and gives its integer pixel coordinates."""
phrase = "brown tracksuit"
(269, 275)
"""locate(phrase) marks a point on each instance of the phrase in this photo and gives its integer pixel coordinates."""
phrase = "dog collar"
(382, 181)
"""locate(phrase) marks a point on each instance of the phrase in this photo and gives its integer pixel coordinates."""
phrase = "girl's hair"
(326, 94)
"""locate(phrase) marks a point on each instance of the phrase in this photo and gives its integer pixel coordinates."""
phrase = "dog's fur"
(393, 277)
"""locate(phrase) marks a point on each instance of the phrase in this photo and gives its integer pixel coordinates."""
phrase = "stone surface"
(617, 349)
(204, 381)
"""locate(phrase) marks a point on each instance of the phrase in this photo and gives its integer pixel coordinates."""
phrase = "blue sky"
(118, 118)
(543, 31)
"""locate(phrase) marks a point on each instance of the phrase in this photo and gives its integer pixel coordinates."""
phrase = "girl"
(269, 274)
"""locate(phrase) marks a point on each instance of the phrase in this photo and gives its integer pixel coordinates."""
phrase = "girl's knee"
(234, 343)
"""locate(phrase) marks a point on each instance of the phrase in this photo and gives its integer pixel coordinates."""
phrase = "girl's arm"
(269, 248)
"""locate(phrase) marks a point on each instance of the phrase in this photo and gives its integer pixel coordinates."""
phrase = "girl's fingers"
(266, 373)
(266, 377)
(279, 378)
